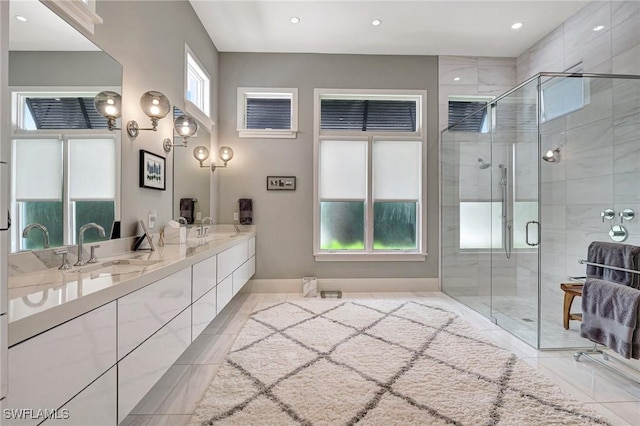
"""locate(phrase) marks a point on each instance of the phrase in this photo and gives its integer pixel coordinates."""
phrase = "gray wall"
(29, 68)
(147, 38)
(285, 219)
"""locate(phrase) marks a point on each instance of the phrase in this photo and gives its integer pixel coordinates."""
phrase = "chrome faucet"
(182, 220)
(236, 228)
(83, 229)
(45, 233)
(203, 230)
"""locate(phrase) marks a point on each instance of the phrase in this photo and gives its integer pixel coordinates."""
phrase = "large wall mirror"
(190, 181)
(65, 162)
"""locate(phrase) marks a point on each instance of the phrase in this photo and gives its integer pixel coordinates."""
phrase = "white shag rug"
(378, 362)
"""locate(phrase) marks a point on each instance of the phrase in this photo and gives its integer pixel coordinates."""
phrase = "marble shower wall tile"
(463, 67)
(626, 35)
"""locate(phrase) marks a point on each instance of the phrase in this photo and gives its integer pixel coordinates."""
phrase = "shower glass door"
(514, 210)
(466, 238)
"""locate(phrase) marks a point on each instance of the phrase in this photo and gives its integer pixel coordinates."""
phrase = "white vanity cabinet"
(145, 311)
(95, 368)
(49, 369)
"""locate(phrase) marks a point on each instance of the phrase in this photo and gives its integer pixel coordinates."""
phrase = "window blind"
(459, 110)
(368, 115)
(268, 113)
(38, 180)
(92, 171)
(65, 113)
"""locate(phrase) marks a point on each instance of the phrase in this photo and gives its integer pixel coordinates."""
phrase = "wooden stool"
(571, 290)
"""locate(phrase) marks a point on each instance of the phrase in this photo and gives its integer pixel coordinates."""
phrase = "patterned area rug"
(384, 362)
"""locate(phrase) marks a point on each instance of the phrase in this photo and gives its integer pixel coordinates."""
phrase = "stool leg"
(568, 300)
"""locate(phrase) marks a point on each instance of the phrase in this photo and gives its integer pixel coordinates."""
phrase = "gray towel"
(614, 254)
(610, 316)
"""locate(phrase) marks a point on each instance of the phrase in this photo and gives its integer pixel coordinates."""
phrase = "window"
(78, 181)
(368, 183)
(197, 85)
(267, 113)
(467, 114)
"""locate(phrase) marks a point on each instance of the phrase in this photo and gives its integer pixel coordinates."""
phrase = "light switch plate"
(281, 183)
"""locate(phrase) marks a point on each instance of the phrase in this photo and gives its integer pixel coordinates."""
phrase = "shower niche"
(524, 178)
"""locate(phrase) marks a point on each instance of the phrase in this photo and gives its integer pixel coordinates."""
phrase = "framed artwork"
(153, 171)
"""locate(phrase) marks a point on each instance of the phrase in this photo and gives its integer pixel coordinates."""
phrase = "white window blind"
(92, 169)
(396, 170)
(38, 180)
(343, 170)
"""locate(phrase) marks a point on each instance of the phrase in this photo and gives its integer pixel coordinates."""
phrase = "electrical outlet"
(236, 217)
(198, 216)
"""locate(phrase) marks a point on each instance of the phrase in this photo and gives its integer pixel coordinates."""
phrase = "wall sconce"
(156, 106)
(226, 154)
(185, 126)
(109, 105)
(201, 153)
(552, 156)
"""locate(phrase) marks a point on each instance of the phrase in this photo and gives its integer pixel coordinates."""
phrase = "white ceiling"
(44, 30)
(419, 27)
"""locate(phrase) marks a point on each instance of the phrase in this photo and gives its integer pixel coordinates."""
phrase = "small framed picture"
(153, 171)
(281, 183)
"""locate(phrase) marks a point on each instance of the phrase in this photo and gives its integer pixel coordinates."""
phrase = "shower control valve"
(626, 214)
(607, 214)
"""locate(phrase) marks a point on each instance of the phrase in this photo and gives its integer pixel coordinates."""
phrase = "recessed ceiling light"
(516, 26)
(295, 20)
(456, 79)
(21, 18)
(598, 28)
(376, 22)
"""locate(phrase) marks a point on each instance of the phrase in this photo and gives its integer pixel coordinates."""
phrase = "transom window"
(197, 84)
(368, 180)
(267, 112)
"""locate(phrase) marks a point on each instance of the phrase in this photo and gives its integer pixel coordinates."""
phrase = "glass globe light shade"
(185, 126)
(155, 104)
(226, 154)
(201, 153)
(108, 104)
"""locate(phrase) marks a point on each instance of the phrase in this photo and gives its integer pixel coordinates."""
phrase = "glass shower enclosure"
(526, 184)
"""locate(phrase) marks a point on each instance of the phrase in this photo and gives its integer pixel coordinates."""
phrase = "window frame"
(201, 112)
(18, 99)
(369, 254)
(265, 92)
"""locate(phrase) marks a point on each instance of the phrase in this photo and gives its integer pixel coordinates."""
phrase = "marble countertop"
(42, 298)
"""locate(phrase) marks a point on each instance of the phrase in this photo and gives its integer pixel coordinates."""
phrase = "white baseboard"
(347, 285)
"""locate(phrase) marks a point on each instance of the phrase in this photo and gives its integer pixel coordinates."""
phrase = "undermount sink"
(119, 267)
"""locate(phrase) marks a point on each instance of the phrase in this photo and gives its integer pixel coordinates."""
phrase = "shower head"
(483, 164)
(552, 156)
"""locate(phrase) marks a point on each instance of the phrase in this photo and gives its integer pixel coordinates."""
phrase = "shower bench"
(571, 290)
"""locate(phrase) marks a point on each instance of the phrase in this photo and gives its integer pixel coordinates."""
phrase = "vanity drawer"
(142, 368)
(204, 277)
(145, 311)
(203, 312)
(96, 405)
(224, 292)
(242, 274)
(49, 369)
(229, 260)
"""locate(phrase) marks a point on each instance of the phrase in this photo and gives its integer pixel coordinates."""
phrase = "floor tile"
(178, 394)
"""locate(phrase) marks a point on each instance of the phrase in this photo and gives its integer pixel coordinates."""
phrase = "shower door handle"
(526, 232)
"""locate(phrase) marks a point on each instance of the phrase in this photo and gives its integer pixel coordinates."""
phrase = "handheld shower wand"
(506, 226)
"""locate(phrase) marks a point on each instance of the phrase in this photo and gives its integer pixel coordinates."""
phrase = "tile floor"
(175, 397)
